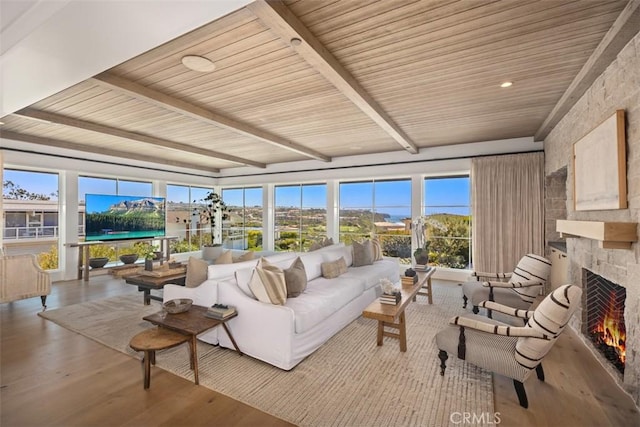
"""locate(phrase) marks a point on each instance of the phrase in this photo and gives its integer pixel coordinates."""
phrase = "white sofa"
(283, 335)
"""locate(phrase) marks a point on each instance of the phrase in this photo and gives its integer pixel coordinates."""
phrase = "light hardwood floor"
(50, 376)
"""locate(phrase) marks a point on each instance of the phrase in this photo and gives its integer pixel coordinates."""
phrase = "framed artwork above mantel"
(600, 167)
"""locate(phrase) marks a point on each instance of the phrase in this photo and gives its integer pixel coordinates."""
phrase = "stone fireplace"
(603, 321)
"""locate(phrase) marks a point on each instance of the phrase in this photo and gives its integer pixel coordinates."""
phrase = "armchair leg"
(475, 310)
(522, 395)
(490, 314)
(443, 358)
(540, 372)
(43, 298)
(465, 299)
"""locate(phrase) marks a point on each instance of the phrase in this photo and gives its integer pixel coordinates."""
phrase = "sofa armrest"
(263, 331)
(205, 295)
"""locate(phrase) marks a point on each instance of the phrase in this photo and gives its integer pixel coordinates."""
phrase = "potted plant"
(149, 256)
(212, 208)
(421, 254)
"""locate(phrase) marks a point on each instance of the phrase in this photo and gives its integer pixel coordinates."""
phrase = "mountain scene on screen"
(144, 217)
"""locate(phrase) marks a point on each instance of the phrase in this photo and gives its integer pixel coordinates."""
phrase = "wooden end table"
(191, 323)
(424, 280)
(148, 283)
(152, 340)
(392, 316)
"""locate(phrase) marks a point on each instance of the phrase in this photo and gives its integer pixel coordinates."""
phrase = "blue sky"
(392, 197)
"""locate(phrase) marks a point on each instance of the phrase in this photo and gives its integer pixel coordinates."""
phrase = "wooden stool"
(151, 340)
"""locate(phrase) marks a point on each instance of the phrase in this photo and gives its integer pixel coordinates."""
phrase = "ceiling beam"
(45, 116)
(105, 151)
(176, 105)
(277, 16)
(623, 29)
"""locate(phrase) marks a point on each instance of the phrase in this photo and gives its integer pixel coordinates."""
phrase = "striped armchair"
(512, 351)
(524, 284)
(21, 277)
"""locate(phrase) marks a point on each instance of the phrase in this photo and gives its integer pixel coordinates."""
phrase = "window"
(381, 208)
(31, 214)
(300, 216)
(243, 228)
(182, 200)
(447, 212)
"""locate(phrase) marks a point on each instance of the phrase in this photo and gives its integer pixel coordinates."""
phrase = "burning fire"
(612, 331)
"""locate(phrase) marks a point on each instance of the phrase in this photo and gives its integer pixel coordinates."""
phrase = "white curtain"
(508, 210)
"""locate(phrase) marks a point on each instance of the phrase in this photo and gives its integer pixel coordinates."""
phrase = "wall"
(617, 88)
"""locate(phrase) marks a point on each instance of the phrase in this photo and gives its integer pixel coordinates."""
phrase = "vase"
(422, 258)
(148, 264)
(211, 252)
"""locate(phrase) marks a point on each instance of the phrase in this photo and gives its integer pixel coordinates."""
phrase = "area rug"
(349, 381)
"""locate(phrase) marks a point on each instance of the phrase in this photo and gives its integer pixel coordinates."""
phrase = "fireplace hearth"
(604, 324)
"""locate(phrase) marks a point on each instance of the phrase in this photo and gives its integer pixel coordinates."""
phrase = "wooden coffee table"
(191, 323)
(392, 316)
(148, 283)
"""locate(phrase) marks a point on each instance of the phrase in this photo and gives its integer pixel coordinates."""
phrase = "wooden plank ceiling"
(366, 77)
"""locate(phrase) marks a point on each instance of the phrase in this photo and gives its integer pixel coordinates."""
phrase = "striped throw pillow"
(377, 249)
(268, 283)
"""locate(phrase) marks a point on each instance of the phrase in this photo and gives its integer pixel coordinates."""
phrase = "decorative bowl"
(98, 262)
(176, 306)
(129, 258)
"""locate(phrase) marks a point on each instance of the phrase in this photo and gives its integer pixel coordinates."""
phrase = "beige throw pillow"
(247, 256)
(315, 246)
(333, 269)
(225, 258)
(268, 284)
(295, 278)
(362, 253)
(196, 272)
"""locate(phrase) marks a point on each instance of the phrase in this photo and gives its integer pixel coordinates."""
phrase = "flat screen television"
(109, 217)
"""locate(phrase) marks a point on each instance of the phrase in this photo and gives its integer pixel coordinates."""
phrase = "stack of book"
(220, 311)
(391, 299)
(409, 280)
(421, 267)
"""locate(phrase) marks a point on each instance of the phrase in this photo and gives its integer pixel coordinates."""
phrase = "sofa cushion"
(268, 284)
(337, 251)
(295, 278)
(196, 272)
(225, 258)
(371, 274)
(362, 253)
(333, 269)
(222, 271)
(312, 262)
(322, 298)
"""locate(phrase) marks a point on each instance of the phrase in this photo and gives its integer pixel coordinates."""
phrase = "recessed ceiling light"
(295, 42)
(506, 84)
(198, 63)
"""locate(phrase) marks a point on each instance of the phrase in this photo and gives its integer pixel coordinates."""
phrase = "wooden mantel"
(611, 235)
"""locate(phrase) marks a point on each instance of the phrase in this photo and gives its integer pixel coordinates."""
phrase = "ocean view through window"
(447, 212)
